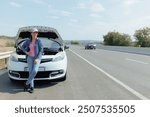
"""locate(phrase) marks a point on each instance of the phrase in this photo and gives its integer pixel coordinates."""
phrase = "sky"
(75, 19)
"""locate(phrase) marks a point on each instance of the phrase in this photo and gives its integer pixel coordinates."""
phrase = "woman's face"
(34, 35)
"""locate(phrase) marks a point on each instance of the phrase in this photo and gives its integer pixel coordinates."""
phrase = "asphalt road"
(92, 75)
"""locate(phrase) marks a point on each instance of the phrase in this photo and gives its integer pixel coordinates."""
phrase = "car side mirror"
(66, 47)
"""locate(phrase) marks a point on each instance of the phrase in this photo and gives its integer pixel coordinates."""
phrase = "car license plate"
(40, 69)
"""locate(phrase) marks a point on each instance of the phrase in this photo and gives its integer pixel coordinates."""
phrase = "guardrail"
(134, 50)
(5, 55)
(3, 59)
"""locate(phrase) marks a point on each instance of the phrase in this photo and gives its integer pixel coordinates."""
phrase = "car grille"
(22, 60)
(42, 61)
(40, 74)
(44, 74)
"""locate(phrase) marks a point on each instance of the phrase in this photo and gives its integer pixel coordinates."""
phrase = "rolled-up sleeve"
(39, 56)
(24, 46)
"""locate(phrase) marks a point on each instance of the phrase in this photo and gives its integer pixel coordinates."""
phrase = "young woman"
(33, 49)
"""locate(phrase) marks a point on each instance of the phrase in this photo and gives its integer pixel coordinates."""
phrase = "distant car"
(90, 46)
(53, 64)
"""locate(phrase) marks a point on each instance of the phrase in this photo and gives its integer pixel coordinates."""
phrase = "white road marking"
(140, 96)
(136, 61)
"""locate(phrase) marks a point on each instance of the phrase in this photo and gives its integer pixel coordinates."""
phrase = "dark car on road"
(90, 46)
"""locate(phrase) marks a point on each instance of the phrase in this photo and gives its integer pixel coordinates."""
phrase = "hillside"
(6, 43)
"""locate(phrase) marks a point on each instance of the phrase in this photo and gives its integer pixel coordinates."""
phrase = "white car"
(53, 64)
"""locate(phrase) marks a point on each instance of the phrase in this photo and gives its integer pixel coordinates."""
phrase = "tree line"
(142, 37)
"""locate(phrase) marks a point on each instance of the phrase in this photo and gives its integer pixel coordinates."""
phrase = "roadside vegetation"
(142, 37)
(117, 39)
(74, 42)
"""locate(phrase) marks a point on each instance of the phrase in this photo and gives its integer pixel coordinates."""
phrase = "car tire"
(15, 81)
(12, 80)
(61, 79)
(64, 78)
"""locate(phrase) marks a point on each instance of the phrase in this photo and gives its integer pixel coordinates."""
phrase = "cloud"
(92, 6)
(130, 2)
(94, 15)
(96, 7)
(143, 19)
(53, 17)
(74, 20)
(40, 2)
(66, 13)
(82, 6)
(147, 18)
(129, 6)
(14, 4)
(57, 14)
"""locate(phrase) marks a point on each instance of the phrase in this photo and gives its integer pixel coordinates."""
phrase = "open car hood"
(43, 31)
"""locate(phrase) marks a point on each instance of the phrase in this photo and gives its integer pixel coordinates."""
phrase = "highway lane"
(83, 80)
(131, 69)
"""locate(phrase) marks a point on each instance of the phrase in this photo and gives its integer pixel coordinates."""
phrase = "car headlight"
(14, 58)
(59, 58)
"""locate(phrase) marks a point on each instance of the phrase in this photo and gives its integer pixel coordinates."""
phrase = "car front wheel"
(64, 78)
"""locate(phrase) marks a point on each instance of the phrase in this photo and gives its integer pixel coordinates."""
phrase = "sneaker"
(26, 87)
(31, 90)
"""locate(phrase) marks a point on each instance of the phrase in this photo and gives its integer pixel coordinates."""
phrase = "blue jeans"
(33, 69)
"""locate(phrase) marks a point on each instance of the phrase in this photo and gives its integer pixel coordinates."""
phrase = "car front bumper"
(49, 71)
